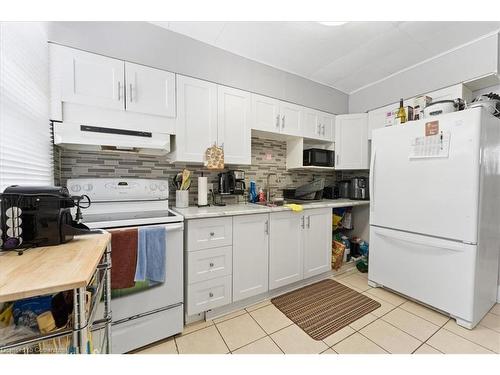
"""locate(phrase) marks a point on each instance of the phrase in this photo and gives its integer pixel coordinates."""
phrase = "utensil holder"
(182, 198)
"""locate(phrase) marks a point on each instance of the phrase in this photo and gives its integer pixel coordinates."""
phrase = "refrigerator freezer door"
(440, 273)
(432, 195)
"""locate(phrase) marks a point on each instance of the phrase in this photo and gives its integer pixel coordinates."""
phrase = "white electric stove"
(154, 313)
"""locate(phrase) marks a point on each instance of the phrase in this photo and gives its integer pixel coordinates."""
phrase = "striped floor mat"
(325, 307)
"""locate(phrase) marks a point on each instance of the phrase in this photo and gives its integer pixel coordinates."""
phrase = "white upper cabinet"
(85, 78)
(351, 141)
(326, 124)
(149, 91)
(250, 255)
(317, 125)
(310, 123)
(266, 113)
(291, 118)
(233, 125)
(276, 116)
(196, 125)
(317, 241)
(90, 79)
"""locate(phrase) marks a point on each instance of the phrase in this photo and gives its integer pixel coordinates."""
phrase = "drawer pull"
(210, 294)
(211, 264)
(212, 234)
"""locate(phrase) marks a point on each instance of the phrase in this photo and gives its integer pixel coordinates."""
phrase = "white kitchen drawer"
(209, 294)
(209, 264)
(209, 233)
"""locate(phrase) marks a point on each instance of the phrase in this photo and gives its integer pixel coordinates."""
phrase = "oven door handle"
(168, 227)
(172, 227)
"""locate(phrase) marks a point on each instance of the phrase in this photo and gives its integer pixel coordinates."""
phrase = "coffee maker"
(226, 183)
(238, 179)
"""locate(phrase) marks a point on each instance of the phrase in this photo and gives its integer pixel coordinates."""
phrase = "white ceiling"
(347, 57)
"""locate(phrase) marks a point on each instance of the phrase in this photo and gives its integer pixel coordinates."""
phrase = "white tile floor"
(398, 326)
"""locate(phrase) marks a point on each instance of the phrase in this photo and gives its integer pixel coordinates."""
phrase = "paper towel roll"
(202, 191)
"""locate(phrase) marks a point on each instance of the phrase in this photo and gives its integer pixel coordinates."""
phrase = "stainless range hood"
(95, 138)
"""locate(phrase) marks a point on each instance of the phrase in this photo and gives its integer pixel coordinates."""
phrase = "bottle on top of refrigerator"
(401, 115)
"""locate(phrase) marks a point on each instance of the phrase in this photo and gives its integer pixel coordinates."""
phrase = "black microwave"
(319, 157)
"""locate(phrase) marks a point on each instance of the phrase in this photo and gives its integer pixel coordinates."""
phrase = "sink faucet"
(268, 193)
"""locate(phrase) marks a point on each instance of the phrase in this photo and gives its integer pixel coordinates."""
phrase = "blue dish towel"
(151, 253)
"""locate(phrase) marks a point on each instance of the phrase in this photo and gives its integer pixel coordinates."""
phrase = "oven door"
(132, 302)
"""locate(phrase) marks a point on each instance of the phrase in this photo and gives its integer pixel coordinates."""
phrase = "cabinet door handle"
(119, 91)
(210, 294)
(212, 234)
(319, 129)
(308, 222)
(337, 159)
(211, 264)
(302, 222)
(283, 122)
(266, 227)
(130, 93)
(278, 121)
(323, 126)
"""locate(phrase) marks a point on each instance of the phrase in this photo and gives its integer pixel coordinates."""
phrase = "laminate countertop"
(51, 269)
(194, 212)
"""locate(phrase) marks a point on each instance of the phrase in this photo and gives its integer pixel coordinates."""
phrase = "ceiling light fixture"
(332, 23)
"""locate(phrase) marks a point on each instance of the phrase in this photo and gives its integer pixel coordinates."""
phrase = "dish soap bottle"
(252, 194)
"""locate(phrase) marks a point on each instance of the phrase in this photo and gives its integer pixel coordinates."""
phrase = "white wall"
(468, 62)
(152, 45)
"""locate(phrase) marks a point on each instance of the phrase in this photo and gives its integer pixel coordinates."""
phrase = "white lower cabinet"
(285, 248)
(209, 264)
(300, 245)
(250, 255)
(208, 295)
(317, 241)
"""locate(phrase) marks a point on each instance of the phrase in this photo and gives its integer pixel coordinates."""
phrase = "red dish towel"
(123, 258)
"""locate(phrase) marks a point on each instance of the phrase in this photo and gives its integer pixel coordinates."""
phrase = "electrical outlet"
(210, 186)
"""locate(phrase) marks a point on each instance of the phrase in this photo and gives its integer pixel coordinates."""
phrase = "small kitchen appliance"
(318, 157)
(490, 102)
(226, 181)
(33, 216)
(344, 188)
(359, 188)
(442, 107)
(331, 192)
(238, 181)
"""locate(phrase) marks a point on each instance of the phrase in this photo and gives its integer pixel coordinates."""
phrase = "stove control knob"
(88, 187)
(163, 187)
(153, 187)
(76, 188)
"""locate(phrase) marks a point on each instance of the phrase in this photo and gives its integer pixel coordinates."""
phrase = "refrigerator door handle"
(437, 243)
(372, 181)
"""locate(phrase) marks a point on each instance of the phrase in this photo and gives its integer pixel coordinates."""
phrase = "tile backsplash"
(268, 156)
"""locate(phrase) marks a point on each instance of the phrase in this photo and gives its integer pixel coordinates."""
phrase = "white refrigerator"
(435, 212)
